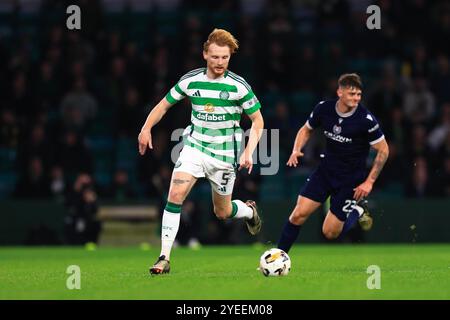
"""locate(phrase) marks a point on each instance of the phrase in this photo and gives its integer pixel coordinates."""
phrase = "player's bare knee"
(329, 233)
(176, 196)
(295, 219)
(298, 216)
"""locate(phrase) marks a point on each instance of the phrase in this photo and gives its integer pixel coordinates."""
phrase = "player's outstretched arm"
(302, 137)
(145, 136)
(246, 160)
(365, 188)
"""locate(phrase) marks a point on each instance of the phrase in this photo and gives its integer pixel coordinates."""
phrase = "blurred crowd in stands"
(73, 102)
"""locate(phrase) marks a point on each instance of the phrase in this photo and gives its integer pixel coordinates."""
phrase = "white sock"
(243, 211)
(359, 209)
(169, 229)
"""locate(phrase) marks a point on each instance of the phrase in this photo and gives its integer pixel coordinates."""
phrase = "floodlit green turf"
(318, 272)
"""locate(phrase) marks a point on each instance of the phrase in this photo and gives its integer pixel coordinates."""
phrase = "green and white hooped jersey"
(217, 105)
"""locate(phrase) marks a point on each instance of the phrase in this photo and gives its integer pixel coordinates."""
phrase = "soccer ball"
(275, 262)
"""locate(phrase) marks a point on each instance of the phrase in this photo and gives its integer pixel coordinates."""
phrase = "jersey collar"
(347, 114)
(225, 74)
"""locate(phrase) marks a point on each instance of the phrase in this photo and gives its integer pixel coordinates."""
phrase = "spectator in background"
(419, 185)
(329, 90)
(438, 135)
(282, 121)
(441, 80)
(73, 155)
(445, 180)
(443, 168)
(21, 98)
(161, 63)
(439, 142)
(333, 13)
(332, 63)
(414, 10)
(81, 224)
(78, 107)
(20, 62)
(112, 48)
(76, 71)
(58, 185)
(54, 37)
(418, 146)
(396, 129)
(54, 56)
(130, 113)
(276, 64)
(35, 145)
(77, 48)
(4, 56)
(397, 135)
(385, 97)
(155, 167)
(420, 62)
(33, 182)
(418, 102)
(117, 81)
(9, 129)
(121, 189)
(47, 88)
(135, 64)
(193, 26)
(307, 62)
(444, 151)
(279, 23)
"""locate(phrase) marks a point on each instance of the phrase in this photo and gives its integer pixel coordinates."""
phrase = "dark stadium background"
(73, 102)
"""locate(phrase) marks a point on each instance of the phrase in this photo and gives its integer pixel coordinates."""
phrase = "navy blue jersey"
(348, 136)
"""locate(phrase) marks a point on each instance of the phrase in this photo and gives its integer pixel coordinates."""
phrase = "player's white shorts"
(221, 175)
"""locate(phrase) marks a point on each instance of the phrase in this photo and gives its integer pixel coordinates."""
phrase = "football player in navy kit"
(350, 130)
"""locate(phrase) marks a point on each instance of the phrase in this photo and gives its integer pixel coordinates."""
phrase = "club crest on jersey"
(253, 101)
(209, 107)
(224, 95)
(337, 129)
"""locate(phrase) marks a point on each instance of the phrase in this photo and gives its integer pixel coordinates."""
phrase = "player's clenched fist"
(144, 140)
(293, 159)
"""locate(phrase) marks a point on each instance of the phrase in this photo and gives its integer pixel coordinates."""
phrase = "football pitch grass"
(321, 271)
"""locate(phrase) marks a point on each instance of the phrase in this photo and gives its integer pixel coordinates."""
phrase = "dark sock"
(288, 236)
(350, 222)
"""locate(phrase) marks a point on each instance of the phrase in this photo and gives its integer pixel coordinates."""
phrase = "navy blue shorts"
(321, 184)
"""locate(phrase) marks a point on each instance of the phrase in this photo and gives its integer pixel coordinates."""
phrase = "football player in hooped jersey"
(350, 131)
(218, 98)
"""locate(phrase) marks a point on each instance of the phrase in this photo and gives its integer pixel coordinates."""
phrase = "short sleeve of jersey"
(178, 91)
(249, 102)
(314, 118)
(374, 132)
